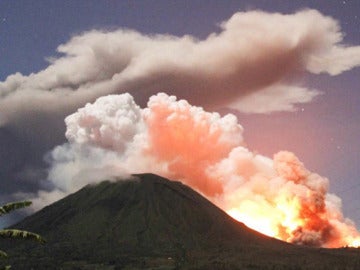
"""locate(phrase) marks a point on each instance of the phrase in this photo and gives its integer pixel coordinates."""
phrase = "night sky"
(324, 133)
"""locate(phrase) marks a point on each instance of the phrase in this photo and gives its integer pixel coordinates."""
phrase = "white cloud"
(275, 98)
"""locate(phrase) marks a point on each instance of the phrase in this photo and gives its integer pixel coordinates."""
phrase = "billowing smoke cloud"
(255, 52)
(278, 196)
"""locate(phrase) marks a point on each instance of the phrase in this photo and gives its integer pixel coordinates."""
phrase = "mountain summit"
(149, 222)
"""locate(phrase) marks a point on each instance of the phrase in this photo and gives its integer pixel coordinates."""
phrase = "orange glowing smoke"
(278, 197)
(310, 218)
(190, 140)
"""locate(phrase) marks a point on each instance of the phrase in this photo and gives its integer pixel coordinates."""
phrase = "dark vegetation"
(15, 233)
(153, 223)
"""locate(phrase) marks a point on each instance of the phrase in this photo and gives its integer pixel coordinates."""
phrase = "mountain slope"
(149, 222)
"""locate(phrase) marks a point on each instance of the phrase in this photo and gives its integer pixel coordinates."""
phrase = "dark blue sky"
(324, 134)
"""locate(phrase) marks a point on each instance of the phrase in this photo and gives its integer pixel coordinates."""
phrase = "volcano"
(149, 222)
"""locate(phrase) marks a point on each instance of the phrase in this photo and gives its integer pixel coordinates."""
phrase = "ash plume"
(174, 139)
(252, 60)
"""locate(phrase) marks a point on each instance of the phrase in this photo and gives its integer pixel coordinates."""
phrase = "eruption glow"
(278, 197)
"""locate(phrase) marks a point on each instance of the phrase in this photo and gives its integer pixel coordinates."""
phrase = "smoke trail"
(278, 196)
